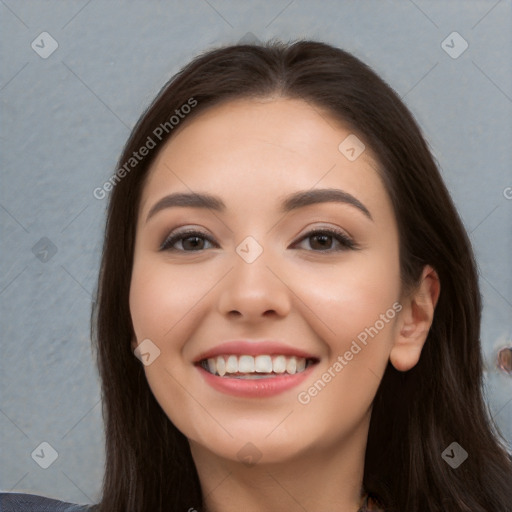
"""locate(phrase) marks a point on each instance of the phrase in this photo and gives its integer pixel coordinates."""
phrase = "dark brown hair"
(416, 414)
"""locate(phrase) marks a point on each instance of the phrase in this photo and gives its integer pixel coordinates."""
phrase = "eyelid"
(343, 238)
(179, 234)
(328, 228)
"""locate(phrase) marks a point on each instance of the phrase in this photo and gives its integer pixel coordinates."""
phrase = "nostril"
(505, 359)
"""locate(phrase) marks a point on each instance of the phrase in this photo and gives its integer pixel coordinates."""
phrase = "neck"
(316, 479)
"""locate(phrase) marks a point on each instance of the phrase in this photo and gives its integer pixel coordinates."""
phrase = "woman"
(284, 260)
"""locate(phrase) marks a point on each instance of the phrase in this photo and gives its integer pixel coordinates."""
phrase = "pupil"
(325, 238)
(194, 244)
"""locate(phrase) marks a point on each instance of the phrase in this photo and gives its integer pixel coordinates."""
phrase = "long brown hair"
(416, 414)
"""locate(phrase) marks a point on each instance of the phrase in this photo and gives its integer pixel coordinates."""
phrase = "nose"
(254, 290)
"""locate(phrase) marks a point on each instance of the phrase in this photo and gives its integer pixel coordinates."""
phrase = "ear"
(415, 320)
(134, 344)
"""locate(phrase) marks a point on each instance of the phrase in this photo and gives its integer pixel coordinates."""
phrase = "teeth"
(262, 364)
(291, 365)
(279, 364)
(245, 364)
(221, 366)
(232, 364)
(251, 366)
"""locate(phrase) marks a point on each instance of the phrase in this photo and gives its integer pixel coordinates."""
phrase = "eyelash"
(346, 242)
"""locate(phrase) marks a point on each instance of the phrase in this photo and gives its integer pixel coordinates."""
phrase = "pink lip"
(255, 388)
(253, 348)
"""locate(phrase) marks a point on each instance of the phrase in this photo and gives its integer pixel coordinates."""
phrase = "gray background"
(66, 117)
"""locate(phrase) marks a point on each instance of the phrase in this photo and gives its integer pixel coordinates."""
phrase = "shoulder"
(21, 502)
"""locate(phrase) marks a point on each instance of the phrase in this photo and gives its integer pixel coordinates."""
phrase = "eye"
(321, 240)
(190, 241)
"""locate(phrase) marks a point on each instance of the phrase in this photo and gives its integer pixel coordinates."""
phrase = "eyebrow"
(291, 202)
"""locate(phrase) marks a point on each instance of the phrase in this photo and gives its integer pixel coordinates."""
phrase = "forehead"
(262, 147)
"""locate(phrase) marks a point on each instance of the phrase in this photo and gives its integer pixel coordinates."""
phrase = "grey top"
(20, 502)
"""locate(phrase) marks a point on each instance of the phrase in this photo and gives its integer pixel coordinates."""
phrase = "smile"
(255, 367)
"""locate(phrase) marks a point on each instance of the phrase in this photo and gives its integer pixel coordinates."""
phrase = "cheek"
(350, 296)
(356, 310)
(161, 295)
(162, 302)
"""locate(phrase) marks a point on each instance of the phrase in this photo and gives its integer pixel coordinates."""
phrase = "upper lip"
(253, 348)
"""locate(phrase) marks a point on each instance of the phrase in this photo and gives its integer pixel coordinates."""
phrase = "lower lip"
(257, 388)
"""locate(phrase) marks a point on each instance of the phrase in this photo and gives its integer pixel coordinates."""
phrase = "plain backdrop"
(66, 116)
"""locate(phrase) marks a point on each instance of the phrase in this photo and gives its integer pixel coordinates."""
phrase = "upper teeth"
(259, 364)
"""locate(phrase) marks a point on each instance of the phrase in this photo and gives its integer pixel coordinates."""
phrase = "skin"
(251, 153)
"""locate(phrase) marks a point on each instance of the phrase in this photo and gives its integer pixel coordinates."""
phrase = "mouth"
(264, 366)
(255, 368)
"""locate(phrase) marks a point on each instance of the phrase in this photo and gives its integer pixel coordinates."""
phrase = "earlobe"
(415, 321)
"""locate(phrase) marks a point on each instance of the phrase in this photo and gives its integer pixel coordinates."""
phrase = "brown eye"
(322, 240)
(190, 241)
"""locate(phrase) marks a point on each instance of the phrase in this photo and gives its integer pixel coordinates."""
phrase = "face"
(299, 298)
